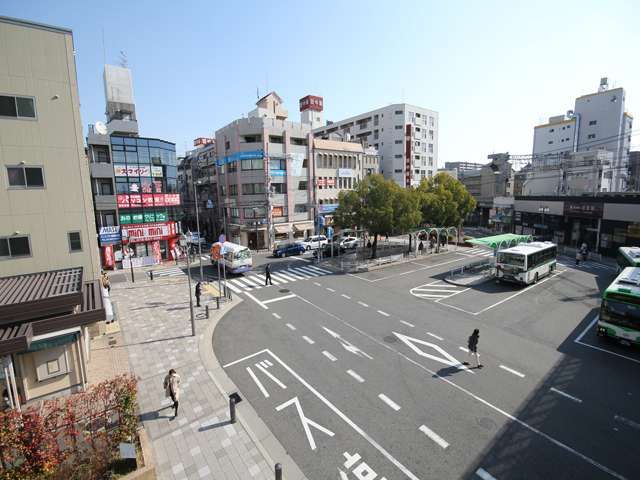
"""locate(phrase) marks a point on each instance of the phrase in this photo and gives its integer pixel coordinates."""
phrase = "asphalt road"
(360, 376)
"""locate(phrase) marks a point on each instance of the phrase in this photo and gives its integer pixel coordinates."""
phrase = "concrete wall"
(39, 62)
(554, 138)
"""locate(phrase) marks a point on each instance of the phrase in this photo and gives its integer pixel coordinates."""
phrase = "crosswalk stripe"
(321, 270)
(244, 282)
(287, 277)
(255, 279)
(233, 289)
(279, 278)
(297, 276)
(308, 272)
(261, 278)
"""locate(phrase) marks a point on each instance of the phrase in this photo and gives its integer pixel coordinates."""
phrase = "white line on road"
(389, 402)
(627, 422)
(346, 296)
(407, 323)
(291, 327)
(362, 303)
(271, 376)
(330, 289)
(484, 475)
(566, 395)
(233, 289)
(584, 332)
(317, 284)
(277, 299)
(276, 315)
(449, 382)
(384, 314)
(435, 336)
(434, 436)
(256, 300)
(258, 383)
(329, 356)
(510, 370)
(464, 349)
(308, 340)
(356, 376)
(410, 271)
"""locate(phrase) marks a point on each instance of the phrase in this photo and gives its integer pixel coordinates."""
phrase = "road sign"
(221, 238)
(183, 240)
(329, 231)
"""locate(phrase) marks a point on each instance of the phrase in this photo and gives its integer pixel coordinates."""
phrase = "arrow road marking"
(305, 421)
(258, 383)
(348, 346)
(271, 376)
(446, 358)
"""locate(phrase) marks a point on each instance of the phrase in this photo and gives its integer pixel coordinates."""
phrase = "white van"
(315, 242)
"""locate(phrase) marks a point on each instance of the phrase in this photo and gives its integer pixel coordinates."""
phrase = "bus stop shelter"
(506, 240)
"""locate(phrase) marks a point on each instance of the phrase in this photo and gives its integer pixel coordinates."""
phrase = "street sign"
(329, 231)
(183, 240)
(209, 204)
(221, 238)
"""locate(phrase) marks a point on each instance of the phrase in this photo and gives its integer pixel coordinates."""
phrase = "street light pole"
(195, 195)
(193, 321)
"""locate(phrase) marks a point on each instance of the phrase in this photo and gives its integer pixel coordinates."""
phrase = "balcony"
(105, 202)
(101, 170)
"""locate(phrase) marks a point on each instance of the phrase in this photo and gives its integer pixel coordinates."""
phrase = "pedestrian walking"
(420, 247)
(198, 293)
(106, 283)
(267, 275)
(472, 344)
(172, 389)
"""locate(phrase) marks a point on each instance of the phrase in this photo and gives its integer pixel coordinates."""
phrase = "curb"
(469, 284)
(268, 445)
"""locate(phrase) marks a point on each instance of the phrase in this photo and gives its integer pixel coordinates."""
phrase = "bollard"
(218, 303)
(232, 410)
(151, 274)
(278, 471)
(206, 311)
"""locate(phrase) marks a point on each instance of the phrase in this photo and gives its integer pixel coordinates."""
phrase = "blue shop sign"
(240, 156)
(328, 207)
(109, 235)
(278, 173)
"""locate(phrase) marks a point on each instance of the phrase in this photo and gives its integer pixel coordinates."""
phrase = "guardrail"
(474, 267)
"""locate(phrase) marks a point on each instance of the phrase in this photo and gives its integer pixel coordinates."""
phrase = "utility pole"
(183, 240)
(195, 196)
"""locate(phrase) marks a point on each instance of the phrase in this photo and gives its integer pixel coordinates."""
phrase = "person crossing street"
(473, 348)
(267, 275)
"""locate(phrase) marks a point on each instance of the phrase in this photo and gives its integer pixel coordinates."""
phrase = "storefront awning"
(301, 227)
(282, 228)
(501, 241)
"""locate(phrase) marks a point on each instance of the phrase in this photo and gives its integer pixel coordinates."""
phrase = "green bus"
(620, 308)
(628, 257)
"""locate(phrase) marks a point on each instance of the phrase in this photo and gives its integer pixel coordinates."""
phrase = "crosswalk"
(598, 266)
(172, 271)
(255, 281)
(477, 252)
(436, 290)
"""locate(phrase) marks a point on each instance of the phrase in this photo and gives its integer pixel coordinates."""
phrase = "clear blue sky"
(491, 69)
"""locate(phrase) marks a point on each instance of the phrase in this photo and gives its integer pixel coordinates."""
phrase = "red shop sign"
(147, 200)
(171, 199)
(122, 200)
(158, 199)
(143, 232)
(135, 200)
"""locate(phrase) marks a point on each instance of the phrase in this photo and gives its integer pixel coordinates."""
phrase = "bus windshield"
(621, 313)
(511, 259)
(243, 254)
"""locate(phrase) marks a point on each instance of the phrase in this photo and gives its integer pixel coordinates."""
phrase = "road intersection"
(359, 377)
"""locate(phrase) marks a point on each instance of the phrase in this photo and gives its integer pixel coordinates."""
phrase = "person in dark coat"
(472, 344)
(198, 293)
(420, 247)
(267, 275)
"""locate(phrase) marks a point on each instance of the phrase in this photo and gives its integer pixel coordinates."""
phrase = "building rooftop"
(28, 23)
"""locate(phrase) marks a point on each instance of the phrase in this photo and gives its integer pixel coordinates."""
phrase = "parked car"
(330, 250)
(349, 242)
(286, 249)
(315, 242)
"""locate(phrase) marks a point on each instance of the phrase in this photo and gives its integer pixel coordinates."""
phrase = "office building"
(50, 298)
(134, 182)
(405, 136)
(598, 121)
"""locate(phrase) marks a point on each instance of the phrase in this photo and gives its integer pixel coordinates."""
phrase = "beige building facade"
(46, 213)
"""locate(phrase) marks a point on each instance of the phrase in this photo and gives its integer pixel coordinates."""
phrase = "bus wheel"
(535, 278)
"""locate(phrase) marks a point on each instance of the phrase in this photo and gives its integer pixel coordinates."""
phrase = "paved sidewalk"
(199, 443)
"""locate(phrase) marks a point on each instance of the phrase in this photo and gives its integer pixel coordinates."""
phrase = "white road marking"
(330, 289)
(385, 314)
(329, 356)
(389, 402)
(627, 422)
(484, 475)
(445, 357)
(356, 376)
(318, 269)
(410, 271)
(277, 299)
(244, 283)
(279, 278)
(308, 271)
(348, 346)
(464, 349)
(566, 395)
(510, 370)
(449, 382)
(271, 376)
(435, 336)
(233, 289)
(268, 363)
(317, 284)
(255, 279)
(434, 436)
(290, 278)
(291, 327)
(407, 323)
(276, 315)
(256, 300)
(258, 383)
(346, 296)
(308, 340)
(297, 276)
(305, 421)
(362, 303)
(584, 332)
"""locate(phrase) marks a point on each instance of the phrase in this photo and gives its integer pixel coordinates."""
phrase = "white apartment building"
(405, 136)
(598, 121)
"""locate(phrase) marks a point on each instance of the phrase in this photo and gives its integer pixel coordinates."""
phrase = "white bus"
(527, 262)
(628, 257)
(237, 258)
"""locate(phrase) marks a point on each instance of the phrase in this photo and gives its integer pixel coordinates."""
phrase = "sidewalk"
(200, 442)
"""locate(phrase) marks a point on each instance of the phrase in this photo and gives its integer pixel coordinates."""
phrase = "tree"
(379, 206)
(444, 200)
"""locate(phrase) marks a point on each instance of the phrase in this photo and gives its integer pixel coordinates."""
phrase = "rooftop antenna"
(124, 63)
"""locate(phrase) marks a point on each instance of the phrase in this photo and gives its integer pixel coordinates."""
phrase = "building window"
(251, 138)
(252, 164)
(431, 148)
(276, 139)
(232, 167)
(17, 107)
(252, 188)
(233, 190)
(432, 121)
(277, 164)
(25, 177)
(15, 246)
(235, 213)
(397, 170)
(227, 145)
(280, 188)
(398, 142)
(397, 156)
(298, 141)
(300, 208)
(302, 185)
(105, 187)
(591, 135)
(75, 242)
(51, 363)
(398, 112)
(305, 163)
(398, 127)
(592, 122)
(254, 212)
(550, 142)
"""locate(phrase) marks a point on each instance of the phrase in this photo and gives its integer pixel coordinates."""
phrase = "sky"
(492, 69)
